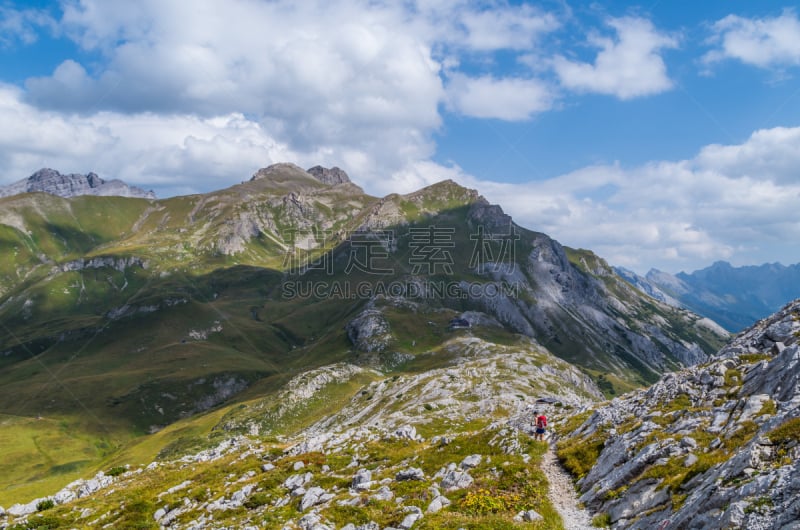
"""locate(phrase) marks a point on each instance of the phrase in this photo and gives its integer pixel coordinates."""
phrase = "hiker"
(541, 424)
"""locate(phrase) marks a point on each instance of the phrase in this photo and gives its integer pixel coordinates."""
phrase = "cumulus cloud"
(509, 99)
(764, 42)
(502, 27)
(626, 67)
(319, 72)
(173, 154)
(359, 82)
(736, 202)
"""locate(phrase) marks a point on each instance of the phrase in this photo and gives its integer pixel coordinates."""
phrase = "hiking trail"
(562, 494)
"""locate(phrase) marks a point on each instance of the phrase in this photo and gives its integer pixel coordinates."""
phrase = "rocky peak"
(279, 169)
(331, 176)
(711, 446)
(490, 216)
(50, 181)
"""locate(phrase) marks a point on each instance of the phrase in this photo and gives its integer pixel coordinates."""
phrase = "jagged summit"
(287, 171)
(332, 176)
(50, 181)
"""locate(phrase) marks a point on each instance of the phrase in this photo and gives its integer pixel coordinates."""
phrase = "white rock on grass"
(410, 519)
(295, 481)
(311, 498)
(528, 516)
(471, 462)
(362, 480)
(454, 480)
(411, 473)
(407, 432)
(383, 494)
(438, 503)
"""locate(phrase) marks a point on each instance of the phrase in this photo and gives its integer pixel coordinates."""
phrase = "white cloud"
(506, 98)
(769, 154)
(505, 27)
(734, 202)
(763, 42)
(321, 70)
(174, 154)
(22, 25)
(358, 84)
(626, 67)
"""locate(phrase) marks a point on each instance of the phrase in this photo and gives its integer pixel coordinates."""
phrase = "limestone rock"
(72, 185)
(455, 479)
(369, 331)
(331, 176)
(362, 480)
(470, 461)
(412, 473)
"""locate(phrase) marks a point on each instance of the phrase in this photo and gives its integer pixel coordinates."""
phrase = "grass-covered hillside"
(443, 445)
(120, 317)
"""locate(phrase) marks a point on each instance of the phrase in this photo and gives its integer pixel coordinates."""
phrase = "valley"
(188, 340)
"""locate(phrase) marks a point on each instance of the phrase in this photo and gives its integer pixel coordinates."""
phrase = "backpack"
(541, 421)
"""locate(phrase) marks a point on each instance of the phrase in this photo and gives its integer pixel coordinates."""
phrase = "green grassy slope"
(122, 317)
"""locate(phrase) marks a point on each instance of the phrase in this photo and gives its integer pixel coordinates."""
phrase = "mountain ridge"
(734, 297)
(50, 181)
(154, 313)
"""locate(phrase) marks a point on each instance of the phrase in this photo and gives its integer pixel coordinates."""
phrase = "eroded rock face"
(331, 176)
(699, 448)
(72, 185)
(369, 331)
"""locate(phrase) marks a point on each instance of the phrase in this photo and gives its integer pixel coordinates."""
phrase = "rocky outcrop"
(331, 176)
(100, 262)
(72, 185)
(712, 446)
(560, 298)
(369, 331)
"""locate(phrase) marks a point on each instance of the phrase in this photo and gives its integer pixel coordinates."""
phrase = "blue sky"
(658, 134)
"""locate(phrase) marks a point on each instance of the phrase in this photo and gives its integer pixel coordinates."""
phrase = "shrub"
(45, 504)
(768, 408)
(116, 471)
(579, 456)
(256, 500)
(786, 432)
(601, 520)
(483, 501)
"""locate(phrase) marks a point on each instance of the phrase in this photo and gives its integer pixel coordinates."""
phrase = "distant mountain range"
(73, 185)
(734, 297)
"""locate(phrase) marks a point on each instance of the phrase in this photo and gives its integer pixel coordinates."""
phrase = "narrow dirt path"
(563, 496)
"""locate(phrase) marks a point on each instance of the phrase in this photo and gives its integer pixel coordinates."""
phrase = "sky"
(659, 134)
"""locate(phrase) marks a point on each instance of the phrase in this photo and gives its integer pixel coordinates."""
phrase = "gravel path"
(562, 494)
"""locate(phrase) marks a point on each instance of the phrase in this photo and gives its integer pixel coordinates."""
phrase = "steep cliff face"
(73, 185)
(713, 446)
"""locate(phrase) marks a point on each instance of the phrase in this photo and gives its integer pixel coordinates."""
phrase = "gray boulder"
(411, 473)
(454, 479)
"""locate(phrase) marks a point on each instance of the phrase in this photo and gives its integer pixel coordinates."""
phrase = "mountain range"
(72, 185)
(734, 297)
(132, 328)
